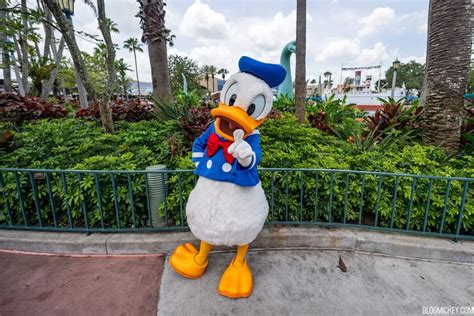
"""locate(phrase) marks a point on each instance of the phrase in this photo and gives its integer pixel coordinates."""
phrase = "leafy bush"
(334, 116)
(131, 110)
(284, 104)
(17, 109)
(68, 143)
(394, 115)
(285, 143)
(468, 128)
(177, 109)
(195, 123)
(77, 144)
(192, 115)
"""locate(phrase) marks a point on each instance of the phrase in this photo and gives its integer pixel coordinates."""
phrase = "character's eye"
(256, 106)
(232, 99)
(231, 94)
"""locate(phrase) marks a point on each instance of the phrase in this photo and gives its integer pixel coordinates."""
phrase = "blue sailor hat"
(272, 74)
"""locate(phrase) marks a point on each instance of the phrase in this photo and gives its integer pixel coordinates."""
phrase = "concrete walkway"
(309, 282)
(295, 271)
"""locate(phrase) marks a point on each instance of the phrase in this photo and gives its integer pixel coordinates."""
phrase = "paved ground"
(287, 282)
(303, 282)
(58, 285)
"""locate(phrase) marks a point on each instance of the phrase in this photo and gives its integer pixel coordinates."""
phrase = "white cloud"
(418, 59)
(374, 55)
(376, 20)
(417, 20)
(267, 34)
(258, 37)
(218, 55)
(175, 51)
(203, 23)
(339, 48)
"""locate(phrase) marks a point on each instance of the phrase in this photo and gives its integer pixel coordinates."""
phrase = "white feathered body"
(223, 213)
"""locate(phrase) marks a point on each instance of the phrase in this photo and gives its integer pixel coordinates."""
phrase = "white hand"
(240, 149)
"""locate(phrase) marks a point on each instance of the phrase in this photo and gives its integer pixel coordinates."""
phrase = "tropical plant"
(17, 109)
(178, 109)
(212, 73)
(134, 46)
(284, 103)
(40, 70)
(130, 110)
(334, 116)
(394, 114)
(206, 72)
(122, 69)
(223, 72)
(468, 128)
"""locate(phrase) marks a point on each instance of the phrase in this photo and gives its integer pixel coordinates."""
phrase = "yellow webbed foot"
(237, 281)
(183, 262)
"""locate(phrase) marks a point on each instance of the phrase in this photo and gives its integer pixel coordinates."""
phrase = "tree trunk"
(48, 32)
(300, 70)
(425, 83)
(7, 78)
(21, 91)
(57, 54)
(136, 71)
(154, 30)
(67, 31)
(24, 48)
(105, 113)
(447, 66)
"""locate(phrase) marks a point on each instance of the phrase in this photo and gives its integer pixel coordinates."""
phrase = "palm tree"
(300, 70)
(223, 72)
(206, 71)
(134, 46)
(450, 26)
(122, 69)
(156, 36)
(212, 72)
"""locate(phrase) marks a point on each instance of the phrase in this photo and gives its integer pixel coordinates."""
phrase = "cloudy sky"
(217, 32)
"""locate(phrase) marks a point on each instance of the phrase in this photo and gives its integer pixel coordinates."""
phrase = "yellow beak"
(230, 118)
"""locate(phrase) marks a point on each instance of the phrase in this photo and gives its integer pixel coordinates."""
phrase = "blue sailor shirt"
(217, 168)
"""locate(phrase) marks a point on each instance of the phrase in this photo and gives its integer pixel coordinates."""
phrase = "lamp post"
(395, 66)
(67, 6)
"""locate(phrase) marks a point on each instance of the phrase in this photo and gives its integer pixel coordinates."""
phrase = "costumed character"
(228, 205)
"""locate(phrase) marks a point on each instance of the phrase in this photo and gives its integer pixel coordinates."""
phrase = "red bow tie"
(213, 145)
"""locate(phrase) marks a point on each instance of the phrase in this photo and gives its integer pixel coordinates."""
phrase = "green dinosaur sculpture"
(286, 88)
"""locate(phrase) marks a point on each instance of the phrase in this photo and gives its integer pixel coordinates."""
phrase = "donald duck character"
(228, 205)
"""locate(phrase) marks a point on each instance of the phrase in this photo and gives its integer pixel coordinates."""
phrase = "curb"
(270, 238)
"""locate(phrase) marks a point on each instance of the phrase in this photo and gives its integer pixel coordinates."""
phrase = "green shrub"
(334, 116)
(81, 145)
(77, 144)
(63, 144)
(287, 144)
